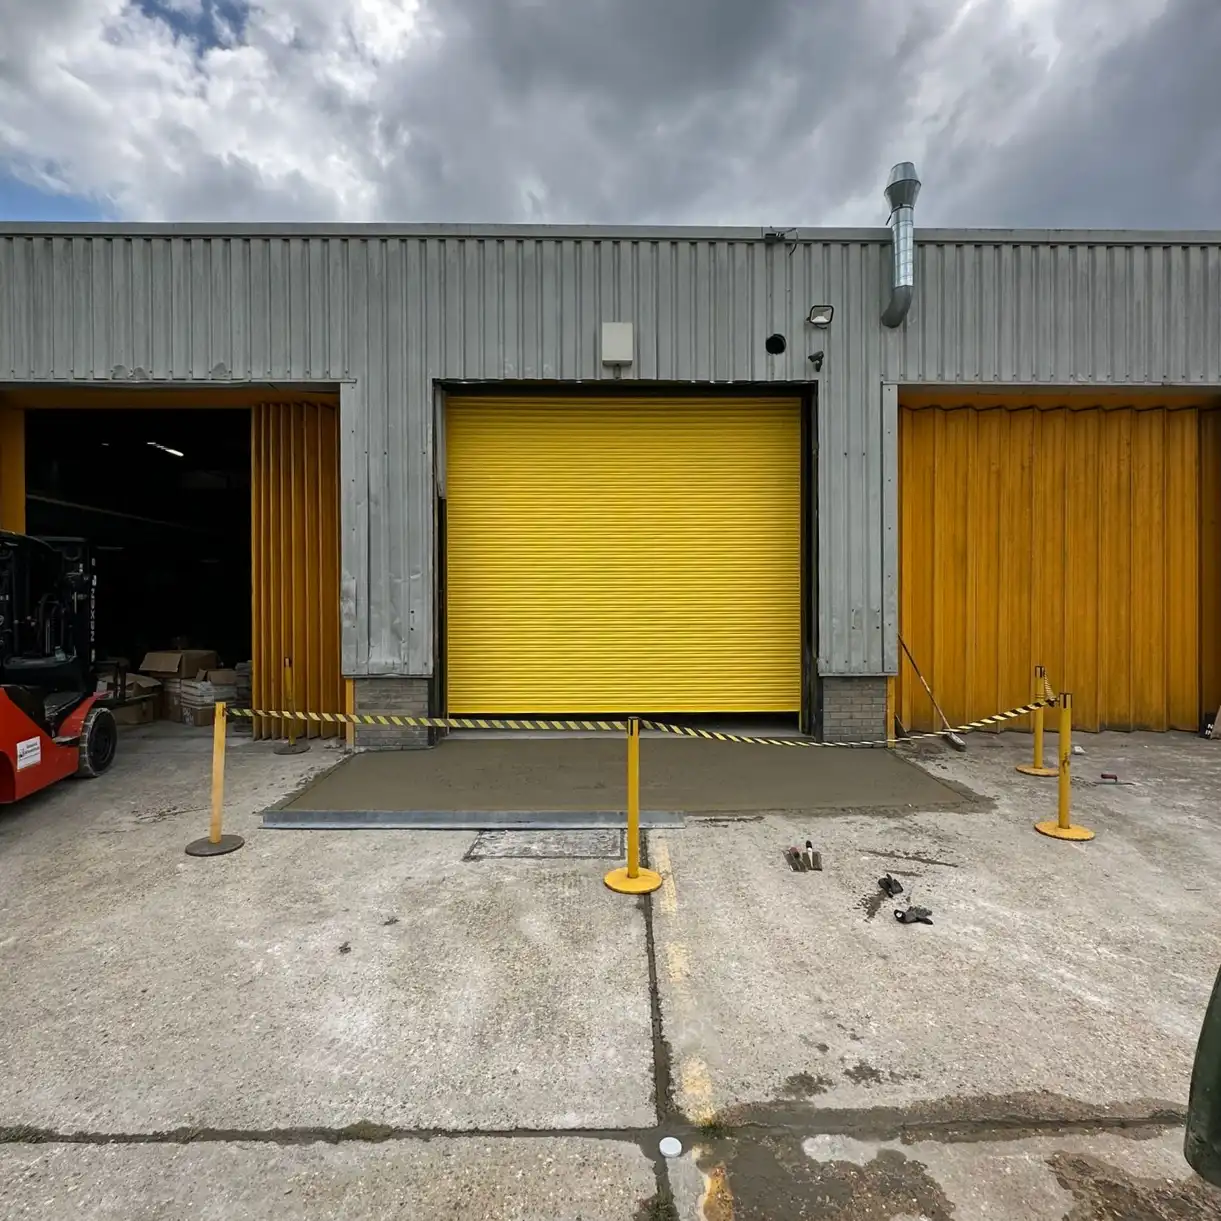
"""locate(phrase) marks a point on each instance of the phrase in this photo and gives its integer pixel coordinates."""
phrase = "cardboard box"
(136, 712)
(139, 685)
(170, 667)
(178, 663)
(199, 717)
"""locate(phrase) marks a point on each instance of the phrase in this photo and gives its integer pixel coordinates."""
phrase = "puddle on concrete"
(773, 1169)
(806, 1085)
(1102, 1190)
(773, 1178)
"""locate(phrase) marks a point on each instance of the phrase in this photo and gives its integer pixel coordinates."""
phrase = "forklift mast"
(47, 613)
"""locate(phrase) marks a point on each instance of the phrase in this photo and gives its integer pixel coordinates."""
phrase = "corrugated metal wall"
(1070, 538)
(396, 310)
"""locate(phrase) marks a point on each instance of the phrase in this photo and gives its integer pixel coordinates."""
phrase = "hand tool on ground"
(950, 736)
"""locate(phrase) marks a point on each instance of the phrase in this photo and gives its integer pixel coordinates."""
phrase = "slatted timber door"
(294, 510)
(1084, 539)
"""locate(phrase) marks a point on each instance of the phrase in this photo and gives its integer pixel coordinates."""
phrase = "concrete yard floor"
(687, 775)
(366, 1024)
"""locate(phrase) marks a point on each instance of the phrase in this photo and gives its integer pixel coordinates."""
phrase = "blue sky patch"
(204, 27)
(20, 201)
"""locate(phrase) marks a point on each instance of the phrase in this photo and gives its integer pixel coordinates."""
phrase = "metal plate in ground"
(547, 845)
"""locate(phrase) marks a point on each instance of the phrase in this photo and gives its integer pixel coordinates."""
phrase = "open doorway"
(163, 499)
(211, 519)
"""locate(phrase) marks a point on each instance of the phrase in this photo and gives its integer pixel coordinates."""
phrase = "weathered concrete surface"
(588, 773)
(1079, 969)
(312, 979)
(788, 1174)
(525, 1179)
(1026, 1056)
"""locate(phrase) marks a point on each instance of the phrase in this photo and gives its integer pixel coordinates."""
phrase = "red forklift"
(53, 721)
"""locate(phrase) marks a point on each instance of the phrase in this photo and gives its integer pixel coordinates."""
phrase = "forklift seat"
(29, 702)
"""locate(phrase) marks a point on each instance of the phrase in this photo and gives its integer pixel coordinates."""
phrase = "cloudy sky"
(757, 112)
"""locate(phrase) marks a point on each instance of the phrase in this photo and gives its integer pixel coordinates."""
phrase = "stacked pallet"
(201, 695)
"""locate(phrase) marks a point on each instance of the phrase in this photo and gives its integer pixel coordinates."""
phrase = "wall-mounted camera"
(816, 359)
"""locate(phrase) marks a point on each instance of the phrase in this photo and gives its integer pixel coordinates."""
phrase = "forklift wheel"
(99, 737)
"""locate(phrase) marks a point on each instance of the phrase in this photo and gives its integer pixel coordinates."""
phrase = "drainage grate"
(547, 845)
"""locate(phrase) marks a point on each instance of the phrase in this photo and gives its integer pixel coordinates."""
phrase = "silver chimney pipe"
(901, 192)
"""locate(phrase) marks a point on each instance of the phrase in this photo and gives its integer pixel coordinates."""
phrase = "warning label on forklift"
(29, 753)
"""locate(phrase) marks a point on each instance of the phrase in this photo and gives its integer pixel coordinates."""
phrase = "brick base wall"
(853, 709)
(406, 696)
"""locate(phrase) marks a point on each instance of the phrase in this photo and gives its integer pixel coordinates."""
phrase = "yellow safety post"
(215, 843)
(633, 880)
(1062, 827)
(1037, 768)
(292, 746)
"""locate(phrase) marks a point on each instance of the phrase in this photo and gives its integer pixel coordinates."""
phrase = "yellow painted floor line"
(678, 963)
(667, 900)
(697, 1090)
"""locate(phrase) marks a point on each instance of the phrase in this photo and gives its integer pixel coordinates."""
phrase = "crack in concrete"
(363, 1133)
(877, 1124)
(958, 1120)
(661, 1206)
(918, 858)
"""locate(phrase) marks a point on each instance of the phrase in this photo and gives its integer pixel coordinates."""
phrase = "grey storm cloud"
(639, 111)
(1037, 113)
(1135, 143)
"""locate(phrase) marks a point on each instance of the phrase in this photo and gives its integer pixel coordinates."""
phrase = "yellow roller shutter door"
(623, 555)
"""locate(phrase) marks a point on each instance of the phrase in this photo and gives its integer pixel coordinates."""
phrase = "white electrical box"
(616, 343)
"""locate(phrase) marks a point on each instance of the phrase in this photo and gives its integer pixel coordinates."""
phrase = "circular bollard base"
(298, 747)
(646, 880)
(1029, 769)
(1052, 827)
(205, 847)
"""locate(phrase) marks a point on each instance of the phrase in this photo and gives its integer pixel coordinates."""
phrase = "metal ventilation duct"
(901, 192)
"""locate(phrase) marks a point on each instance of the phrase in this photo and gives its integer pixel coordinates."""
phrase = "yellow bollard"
(215, 843)
(633, 880)
(292, 746)
(1062, 827)
(1037, 768)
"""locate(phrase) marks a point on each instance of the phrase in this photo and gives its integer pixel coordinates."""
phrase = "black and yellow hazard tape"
(686, 731)
(435, 722)
(619, 726)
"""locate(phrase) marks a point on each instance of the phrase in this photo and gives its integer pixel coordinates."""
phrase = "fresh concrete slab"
(316, 981)
(472, 1178)
(573, 774)
(1079, 971)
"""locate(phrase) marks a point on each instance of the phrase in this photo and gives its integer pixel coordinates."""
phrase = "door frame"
(809, 711)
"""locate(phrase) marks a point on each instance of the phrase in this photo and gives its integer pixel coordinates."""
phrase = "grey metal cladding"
(393, 310)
